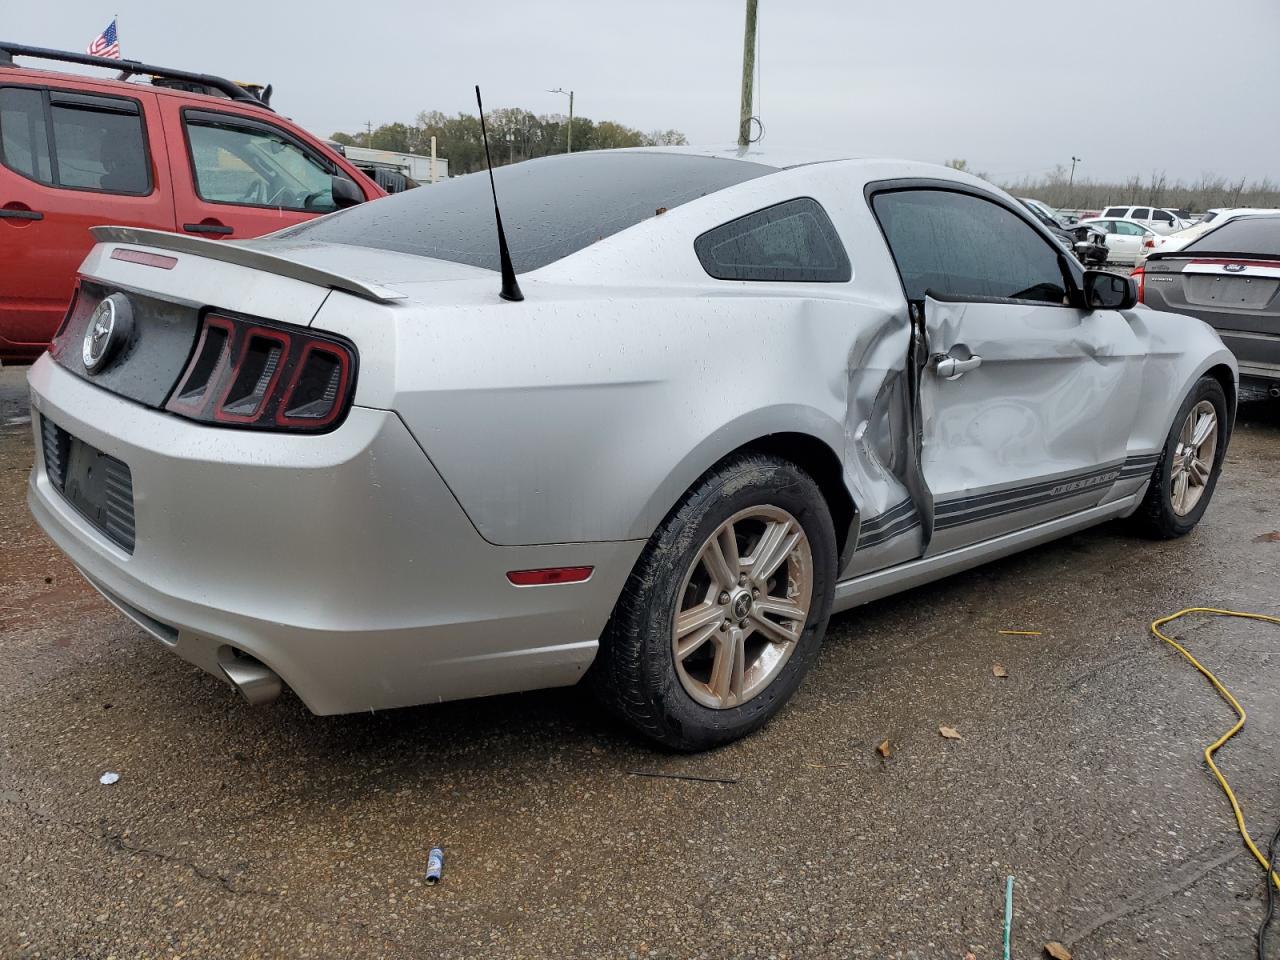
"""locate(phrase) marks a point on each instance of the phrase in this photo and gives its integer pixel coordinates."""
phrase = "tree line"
(1196, 196)
(514, 135)
(1059, 190)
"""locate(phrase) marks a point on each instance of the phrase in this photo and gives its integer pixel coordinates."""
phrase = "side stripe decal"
(902, 517)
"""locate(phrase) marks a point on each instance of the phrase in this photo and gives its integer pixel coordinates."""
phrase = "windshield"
(551, 207)
(1255, 236)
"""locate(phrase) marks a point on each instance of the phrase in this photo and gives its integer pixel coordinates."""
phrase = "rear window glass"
(791, 241)
(1244, 235)
(551, 207)
(1115, 211)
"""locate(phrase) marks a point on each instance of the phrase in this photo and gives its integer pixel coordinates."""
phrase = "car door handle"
(215, 228)
(7, 214)
(952, 368)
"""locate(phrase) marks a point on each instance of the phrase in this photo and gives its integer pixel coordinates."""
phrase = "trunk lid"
(1230, 294)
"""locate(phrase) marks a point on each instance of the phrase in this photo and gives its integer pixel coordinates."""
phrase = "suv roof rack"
(129, 68)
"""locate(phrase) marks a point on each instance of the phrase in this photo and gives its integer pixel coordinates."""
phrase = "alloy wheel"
(1193, 458)
(742, 607)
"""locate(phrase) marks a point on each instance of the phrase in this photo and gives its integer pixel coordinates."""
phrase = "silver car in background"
(741, 392)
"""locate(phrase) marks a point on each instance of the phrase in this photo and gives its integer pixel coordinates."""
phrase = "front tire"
(1187, 474)
(726, 608)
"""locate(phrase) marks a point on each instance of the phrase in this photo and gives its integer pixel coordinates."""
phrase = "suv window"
(959, 245)
(98, 142)
(1162, 215)
(1141, 213)
(24, 138)
(254, 164)
(1115, 211)
(791, 241)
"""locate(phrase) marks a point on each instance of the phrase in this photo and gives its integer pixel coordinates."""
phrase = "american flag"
(106, 44)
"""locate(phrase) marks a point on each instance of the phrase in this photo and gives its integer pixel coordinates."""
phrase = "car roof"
(780, 158)
(122, 87)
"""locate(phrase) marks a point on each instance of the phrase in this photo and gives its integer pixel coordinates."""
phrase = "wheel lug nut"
(724, 598)
(724, 625)
(755, 592)
(742, 579)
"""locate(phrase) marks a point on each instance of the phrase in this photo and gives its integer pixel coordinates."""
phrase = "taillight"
(247, 373)
(1140, 276)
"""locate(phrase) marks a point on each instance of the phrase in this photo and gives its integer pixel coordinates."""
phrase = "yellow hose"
(1236, 728)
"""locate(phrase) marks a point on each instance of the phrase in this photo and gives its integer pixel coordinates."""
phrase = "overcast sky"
(1013, 86)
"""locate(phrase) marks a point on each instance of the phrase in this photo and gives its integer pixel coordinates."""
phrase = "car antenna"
(510, 289)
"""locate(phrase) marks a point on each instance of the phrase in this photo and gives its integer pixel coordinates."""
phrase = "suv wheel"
(1187, 473)
(726, 608)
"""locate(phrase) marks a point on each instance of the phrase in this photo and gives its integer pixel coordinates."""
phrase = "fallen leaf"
(1056, 950)
(1272, 537)
(885, 749)
(970, 956)
(998, 670)
(951, 733)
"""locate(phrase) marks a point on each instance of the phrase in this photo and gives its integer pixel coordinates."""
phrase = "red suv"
(76, 152)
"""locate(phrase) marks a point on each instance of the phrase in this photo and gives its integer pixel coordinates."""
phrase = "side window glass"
(100, 149)
(1114, 212)
(1142, 213)
(252, 165)
(1162, 215)
(24, 137)
(791, 241)
(1130, 229)
(958, 245)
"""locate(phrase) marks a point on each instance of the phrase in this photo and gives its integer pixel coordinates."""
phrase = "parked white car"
(1156, 219)
(1178, 240)
(1124, 237)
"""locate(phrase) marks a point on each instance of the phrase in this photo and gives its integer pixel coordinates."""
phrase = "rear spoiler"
(229, 252)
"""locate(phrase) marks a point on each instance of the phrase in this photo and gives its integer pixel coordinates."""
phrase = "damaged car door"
(1026, 399)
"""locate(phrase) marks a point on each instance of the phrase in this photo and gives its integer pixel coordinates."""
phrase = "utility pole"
(748, 71)
(1072, 179)
(368, 136)
(569, 94)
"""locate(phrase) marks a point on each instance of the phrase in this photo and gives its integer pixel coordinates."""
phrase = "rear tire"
(1187, 474)
(660, 666)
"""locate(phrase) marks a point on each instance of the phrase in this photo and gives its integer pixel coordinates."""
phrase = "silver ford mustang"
(739, 393)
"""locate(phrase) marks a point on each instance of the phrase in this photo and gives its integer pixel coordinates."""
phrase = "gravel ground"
(267, 832)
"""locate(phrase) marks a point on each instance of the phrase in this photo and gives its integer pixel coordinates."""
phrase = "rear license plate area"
(96, 484)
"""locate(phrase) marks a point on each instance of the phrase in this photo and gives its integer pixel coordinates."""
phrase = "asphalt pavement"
(247, 832)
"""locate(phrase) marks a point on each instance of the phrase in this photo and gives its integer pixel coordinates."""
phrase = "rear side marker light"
(253, 374)
(144, 258)
(549, 575)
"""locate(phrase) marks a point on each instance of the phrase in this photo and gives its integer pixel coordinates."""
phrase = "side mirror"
(1109, 291)
(345, 193)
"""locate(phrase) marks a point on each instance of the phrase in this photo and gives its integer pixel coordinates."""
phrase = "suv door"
(242, 176)
(1162, 221)
(1026, 401)
(69, 160)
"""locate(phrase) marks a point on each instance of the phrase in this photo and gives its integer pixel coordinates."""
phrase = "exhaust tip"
(255, 681)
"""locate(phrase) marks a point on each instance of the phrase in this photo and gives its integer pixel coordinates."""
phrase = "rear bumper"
(342, 561)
